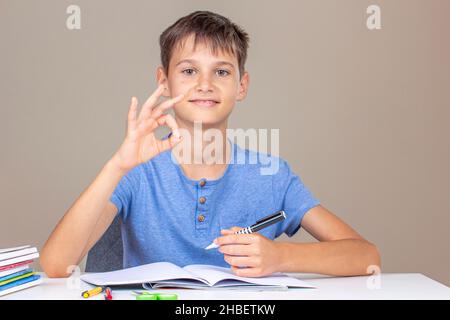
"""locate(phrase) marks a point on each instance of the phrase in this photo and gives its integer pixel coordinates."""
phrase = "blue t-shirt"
(168, 217)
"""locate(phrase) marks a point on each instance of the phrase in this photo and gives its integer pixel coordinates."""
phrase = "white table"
(384, 286)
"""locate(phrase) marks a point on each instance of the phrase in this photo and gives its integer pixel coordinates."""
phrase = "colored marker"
(108, 293)
(92, 292)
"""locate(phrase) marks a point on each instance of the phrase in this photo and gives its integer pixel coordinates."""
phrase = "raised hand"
(140, 144)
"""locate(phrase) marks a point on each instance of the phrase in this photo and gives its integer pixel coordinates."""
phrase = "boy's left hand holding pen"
(261, 255)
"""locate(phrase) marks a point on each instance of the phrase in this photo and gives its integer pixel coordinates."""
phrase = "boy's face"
(204, 78)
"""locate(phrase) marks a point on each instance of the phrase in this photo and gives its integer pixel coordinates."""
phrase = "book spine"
(15, 254)
(19, 259)
(15, 265)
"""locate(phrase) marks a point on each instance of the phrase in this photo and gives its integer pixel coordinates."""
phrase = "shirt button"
(202, 183)
(202, 200)
(201, 218)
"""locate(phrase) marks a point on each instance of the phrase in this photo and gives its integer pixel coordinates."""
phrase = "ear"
(161, 78)
(243, 86)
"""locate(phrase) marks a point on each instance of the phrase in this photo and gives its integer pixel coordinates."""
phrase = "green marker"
(155, 296)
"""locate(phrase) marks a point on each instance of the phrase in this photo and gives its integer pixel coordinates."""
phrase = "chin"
(205, 120)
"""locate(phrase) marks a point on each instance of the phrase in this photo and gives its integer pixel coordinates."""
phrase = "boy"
(171, 209)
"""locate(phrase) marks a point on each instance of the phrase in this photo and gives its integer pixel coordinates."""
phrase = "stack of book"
(15, 271)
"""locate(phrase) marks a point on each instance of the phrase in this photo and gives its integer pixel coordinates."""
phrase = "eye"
(223, 72)
(188, 71)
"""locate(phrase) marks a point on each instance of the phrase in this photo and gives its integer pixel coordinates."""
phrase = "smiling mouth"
(204, 103)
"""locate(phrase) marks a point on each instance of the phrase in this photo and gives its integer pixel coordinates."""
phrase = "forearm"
(67, 242)
(345, 257)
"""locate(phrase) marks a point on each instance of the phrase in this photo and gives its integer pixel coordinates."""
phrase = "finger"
(236, 239)
(157, 112)
(231, 230)
(150, 124)
(240, 261)
(163, 106)
(151, 101)
(246, 272)
(237, 249)
(174, 138)
(132, 112)
(169, 121)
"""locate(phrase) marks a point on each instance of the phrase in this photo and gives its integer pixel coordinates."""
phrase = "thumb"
(174, 140)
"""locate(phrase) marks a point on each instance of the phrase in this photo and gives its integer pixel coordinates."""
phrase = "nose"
(204, 84)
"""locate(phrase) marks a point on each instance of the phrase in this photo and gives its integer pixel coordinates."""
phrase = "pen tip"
(211, 246)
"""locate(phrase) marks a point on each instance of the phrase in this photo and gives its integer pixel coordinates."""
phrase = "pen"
(92, 292)
(260, 224)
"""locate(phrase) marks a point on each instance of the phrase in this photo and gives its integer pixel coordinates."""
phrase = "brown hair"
(211, 28)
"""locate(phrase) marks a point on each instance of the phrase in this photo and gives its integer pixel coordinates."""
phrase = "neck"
(204, 151)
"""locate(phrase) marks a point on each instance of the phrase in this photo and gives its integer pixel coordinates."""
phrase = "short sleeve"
(295, 198)
(123, 193)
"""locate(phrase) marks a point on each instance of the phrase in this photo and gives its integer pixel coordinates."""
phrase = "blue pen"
(260, 224)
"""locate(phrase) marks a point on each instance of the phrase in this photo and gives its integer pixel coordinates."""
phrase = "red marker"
(108, 293)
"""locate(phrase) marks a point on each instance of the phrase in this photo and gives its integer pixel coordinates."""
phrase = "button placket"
(202, 216)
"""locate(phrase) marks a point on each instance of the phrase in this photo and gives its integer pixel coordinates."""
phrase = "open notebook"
(166, 275)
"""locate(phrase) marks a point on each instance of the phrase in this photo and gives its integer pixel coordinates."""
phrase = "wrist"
(114, 165)
(288, 256)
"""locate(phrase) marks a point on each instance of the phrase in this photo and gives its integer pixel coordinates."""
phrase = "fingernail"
(215, 241)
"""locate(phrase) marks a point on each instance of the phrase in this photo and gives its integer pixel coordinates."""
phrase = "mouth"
(204, 102)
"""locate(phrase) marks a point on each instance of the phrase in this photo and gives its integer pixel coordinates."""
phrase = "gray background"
(363, 115)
